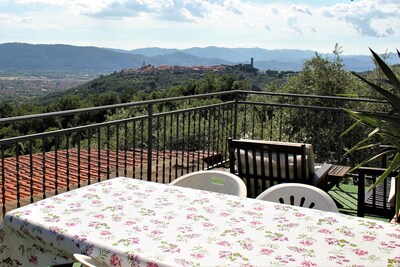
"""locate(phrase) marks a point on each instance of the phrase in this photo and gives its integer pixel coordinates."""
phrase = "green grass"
(346, 196)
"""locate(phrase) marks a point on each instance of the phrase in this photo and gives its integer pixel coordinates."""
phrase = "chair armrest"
(320, 178)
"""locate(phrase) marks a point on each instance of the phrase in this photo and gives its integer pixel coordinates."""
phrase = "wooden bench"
(262, 164)
(377, 200)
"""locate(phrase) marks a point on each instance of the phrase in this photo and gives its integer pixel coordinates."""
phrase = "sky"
(129, 24)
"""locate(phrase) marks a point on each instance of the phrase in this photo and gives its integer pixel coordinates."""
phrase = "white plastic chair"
(301, 195)
(215, 181)
(88, 261)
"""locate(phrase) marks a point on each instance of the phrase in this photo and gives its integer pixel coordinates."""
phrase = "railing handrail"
(357, 99)
(107, 107)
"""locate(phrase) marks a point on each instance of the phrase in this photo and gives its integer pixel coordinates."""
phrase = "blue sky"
(128, 24)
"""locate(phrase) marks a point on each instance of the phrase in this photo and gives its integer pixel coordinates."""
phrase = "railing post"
(235, 119)
(149, 140)
(340, 141)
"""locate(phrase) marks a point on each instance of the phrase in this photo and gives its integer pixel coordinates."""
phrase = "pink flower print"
(133, 240)
(360, 252)
(207, 224)
(308, 264)
(368, 238)
(224, 214)
(224, 254)
(339, 259)
(278, 237)
(285, 258)
(299, 214)
(246, 245)
(297, 249)
(168, 217)
(266, 251)
(224, 243)
(151, 264)
(115, 261)
(396, 236)
(240, 219)
(185, 229)
(325, 231)
(99, 216)
(290, 225)
(33, 259)
(105, 233)
(88, 250)
(56, 230)
(138, 202)
(258, 208)
(197, 256)
(307, 243)
(255, 223)
(238, 231)
(391, 244)
(332, 241)
(192, 209)
(156, 233)
(374, 225)
(117, 218)
(134, 260)
(348, 233)
(169, 247)
(96, 202)
(233, 232)
(130, 223)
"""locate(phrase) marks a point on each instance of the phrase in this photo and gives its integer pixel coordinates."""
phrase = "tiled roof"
(70, 167)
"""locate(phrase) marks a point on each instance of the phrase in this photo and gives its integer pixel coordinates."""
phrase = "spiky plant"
(386, 125)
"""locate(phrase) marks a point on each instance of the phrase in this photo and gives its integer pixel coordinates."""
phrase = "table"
(129, 222)
(335, 174)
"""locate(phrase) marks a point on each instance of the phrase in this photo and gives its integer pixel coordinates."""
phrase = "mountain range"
(60, 57)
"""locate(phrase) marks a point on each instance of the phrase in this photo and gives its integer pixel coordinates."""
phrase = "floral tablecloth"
(129, 222)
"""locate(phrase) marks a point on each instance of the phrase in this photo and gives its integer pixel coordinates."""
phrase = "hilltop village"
(149, 69)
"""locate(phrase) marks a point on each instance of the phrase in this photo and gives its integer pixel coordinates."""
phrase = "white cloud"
(366, 16)
(301, 9)
(185, 23)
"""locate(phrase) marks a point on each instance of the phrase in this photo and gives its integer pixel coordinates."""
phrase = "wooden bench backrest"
(262, 164)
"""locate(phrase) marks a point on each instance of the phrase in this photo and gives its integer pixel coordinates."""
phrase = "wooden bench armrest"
(320, 178)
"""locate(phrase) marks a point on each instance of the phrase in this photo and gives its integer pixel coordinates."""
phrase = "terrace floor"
(346, 194)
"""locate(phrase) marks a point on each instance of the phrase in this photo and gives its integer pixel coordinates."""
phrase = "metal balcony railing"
(160, 140)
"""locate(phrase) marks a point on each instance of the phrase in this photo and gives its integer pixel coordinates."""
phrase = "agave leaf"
(386, 122)
(369, 160)
(354, 125)
(392, 167)
(387, 71)
(360, 143)
(397, 205)
(368, 146)
(365, 118)
(390, 97)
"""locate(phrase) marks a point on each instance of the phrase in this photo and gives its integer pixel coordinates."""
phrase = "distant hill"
(20, 56)
(277, 59)
(28, 57)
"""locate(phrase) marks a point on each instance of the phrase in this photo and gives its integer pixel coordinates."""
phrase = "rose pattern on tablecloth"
(128, 222)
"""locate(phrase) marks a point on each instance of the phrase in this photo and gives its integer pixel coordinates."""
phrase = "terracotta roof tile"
(69, 167)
